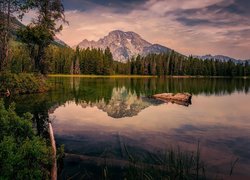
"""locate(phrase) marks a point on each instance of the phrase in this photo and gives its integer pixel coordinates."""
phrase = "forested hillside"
(31, 49)
(64, 60)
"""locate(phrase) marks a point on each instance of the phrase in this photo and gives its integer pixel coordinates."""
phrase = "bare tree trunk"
(72, 68)
(40, 65)
(77, 66)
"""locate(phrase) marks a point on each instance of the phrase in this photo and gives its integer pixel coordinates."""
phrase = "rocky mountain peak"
(124, 45)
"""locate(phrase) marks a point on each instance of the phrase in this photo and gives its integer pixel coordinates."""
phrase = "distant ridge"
(221, 58)
(125, 45)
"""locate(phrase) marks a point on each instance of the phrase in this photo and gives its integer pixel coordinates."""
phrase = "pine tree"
(42, 30)
(8, 10)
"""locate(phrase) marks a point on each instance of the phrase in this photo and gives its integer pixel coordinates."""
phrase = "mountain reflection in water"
(96, 115)
(123, 103)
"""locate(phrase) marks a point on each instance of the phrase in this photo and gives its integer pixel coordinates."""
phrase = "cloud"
(116, 6)
(225, 13)
(190, 27)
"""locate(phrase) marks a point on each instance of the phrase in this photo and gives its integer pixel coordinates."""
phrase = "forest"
(32, 48)
(65, 60)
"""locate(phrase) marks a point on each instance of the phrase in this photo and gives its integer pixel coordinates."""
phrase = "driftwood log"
(178, 98)
(53, 145)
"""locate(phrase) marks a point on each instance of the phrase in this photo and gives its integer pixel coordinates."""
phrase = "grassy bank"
(22, 83)
(100, 76)
(138, 76)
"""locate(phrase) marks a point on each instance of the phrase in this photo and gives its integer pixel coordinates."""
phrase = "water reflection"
(123, 103)
(99, 88)
(221, 124)
(85, 112)
(127, 97)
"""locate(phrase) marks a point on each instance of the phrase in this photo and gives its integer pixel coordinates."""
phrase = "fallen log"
(53, 144)
(178, 98)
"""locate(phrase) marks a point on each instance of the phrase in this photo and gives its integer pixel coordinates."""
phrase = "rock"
(179, 98)
(125, 45)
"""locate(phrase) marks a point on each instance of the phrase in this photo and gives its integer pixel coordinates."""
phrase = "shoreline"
(100, 76)
(143, 76)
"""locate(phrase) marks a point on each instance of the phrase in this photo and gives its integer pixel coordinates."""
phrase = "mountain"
(221, 58)
(59, 42)
(125, 45)
(248, 60)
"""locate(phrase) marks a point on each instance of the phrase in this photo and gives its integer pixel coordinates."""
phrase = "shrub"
(23, 83)
(23, 154)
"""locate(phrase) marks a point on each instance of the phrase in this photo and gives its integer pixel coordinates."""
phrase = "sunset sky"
(196, 27)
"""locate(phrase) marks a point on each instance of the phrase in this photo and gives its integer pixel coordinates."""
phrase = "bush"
(23, 83)
(23, 154)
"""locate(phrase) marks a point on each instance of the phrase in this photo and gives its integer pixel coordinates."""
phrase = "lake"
(102, 118)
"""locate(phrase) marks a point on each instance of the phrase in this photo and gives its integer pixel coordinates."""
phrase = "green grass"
(22, 83)
(173, 163)
(100, 76)
(137, 76)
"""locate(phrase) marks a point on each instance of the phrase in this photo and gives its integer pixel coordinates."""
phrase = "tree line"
(32, 49)
(65, 60)
(175, 64)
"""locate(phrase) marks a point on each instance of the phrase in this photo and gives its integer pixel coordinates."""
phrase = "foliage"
(172, 163)
(64, 60)
(96, 61)
(174, 64)
(8, 8)
(22, 83)
(20, 59)
(23, 155)
(100, 62)
(40, 33)
(60, 59)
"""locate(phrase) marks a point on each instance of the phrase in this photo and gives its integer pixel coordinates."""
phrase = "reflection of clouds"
(220, 144)
(233, 139)
(222, 124)
(205, 111)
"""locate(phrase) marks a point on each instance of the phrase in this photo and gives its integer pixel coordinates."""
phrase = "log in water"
(53, 144)
(178, 98)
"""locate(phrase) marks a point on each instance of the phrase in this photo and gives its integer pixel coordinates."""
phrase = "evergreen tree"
(8, 10)
(42, 30)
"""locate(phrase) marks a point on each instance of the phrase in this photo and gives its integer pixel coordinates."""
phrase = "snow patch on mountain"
(125, 45)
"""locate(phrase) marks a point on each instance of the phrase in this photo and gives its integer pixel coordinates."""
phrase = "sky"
(197, 27)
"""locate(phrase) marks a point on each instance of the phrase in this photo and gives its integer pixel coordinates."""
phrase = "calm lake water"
(96, 117)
